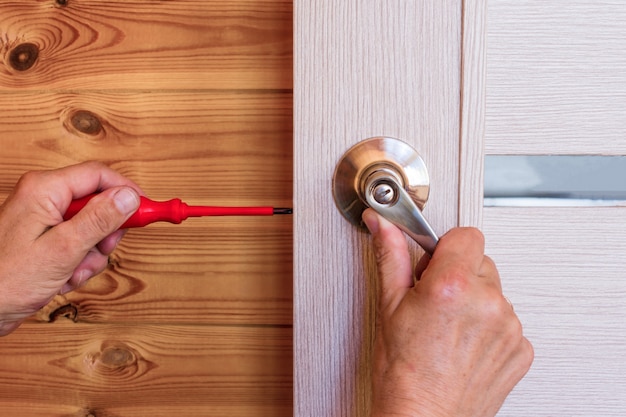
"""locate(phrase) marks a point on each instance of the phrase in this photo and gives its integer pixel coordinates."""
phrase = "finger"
(462, 243)
(92, 264)
(82, 179)
(461, 250)
(109, 243)
(100, 217)
(392, 259)
(489, 270)
(43, 196)
(421, 266)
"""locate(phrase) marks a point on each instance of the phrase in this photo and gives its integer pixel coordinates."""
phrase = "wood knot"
(116, 356)
(117, 360)
(69, 311)
(86, 122)
(62, 3)
(23, 56)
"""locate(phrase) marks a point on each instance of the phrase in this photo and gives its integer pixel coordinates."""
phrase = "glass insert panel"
(555, 180)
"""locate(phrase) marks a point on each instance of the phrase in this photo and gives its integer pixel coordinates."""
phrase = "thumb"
(393, 261)
(100, 217)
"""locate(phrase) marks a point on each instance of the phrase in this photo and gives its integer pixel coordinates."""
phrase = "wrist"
(400, 393)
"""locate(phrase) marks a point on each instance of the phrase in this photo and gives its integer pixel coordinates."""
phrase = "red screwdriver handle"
(173, 211)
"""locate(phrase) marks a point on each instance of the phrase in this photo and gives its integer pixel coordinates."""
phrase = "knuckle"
(528, 352)
(489, 270)
(28, 181)
(451, 286)
(93, 165)
(32, 189)
(497, 311)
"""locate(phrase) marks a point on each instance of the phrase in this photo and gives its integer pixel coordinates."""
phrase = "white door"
(547, 77)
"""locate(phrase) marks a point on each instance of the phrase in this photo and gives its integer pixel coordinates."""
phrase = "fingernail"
(65, 289)
(370, 218)
(126, 200)
(83, 276)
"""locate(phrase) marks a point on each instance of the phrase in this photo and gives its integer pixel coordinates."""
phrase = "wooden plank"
(211, 272)
(132, 370)
(563, 269)
(187, 44)
(362, 69)
(473, 63)
(217, 147)
(556, 77)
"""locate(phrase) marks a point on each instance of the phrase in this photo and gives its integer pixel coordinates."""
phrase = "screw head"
(384, 193)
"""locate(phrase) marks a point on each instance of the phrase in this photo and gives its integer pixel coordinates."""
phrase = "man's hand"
(42, 255)
(449, 344)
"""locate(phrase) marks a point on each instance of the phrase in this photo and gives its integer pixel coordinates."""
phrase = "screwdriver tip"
(283, 211)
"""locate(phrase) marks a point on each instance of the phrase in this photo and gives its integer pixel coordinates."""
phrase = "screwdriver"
(175, 211)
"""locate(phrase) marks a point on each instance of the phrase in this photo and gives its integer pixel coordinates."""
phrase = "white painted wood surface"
(564, 269)
(556, 84)
(473, 96)
(362, 69)
(556, 77)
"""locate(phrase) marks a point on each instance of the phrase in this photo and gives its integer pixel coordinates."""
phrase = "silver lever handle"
(390, 200)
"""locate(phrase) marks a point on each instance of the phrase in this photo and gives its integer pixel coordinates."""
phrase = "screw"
(384, 193)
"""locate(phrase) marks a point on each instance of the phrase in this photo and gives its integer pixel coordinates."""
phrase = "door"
(380, 68)
(459, 80)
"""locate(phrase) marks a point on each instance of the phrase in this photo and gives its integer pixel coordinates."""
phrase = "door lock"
(389, 176)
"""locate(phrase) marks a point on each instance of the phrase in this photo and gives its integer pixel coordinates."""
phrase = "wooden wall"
(191, 99)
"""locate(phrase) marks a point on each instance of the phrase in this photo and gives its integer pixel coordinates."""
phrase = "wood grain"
(211, 272)
(556, 77)
(563, 269)
(362, 69)
(473, 97)
(216, 148)
(191, 99)
(131, 370)
(112, 45)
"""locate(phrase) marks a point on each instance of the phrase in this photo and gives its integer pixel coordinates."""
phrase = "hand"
(42, 255)
(449, 344)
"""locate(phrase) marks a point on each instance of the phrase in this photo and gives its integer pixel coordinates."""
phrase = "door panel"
(556, 78)
(563, 268)
(362, 69)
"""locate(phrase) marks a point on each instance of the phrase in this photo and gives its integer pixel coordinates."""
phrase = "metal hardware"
(384, 193)
(389, 176)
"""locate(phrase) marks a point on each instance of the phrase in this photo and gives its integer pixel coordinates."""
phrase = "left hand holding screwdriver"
(42, 255)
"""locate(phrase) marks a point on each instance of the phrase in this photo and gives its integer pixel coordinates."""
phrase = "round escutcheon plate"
(372, 155)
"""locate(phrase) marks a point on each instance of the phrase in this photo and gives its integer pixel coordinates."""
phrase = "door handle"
(389, 176)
